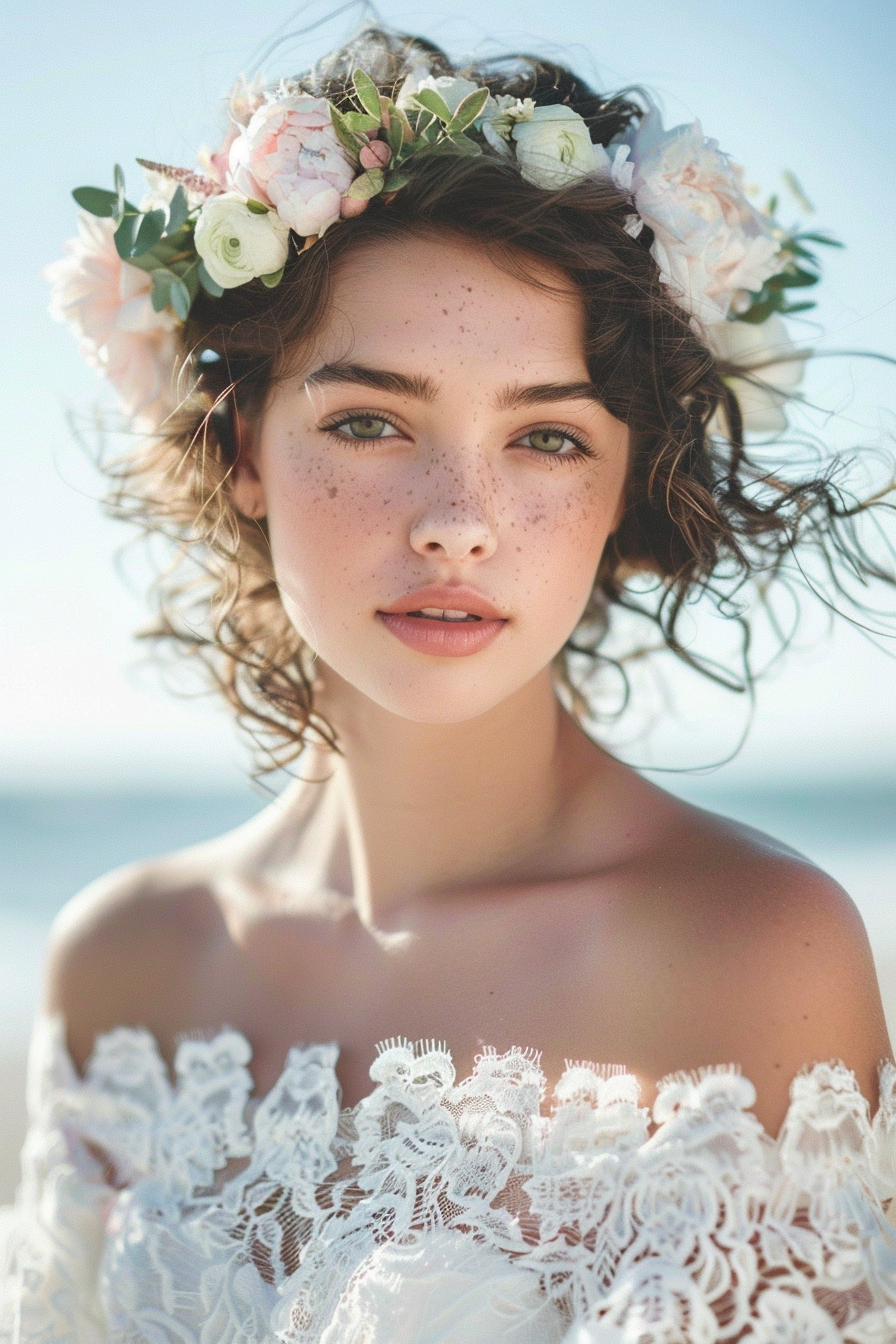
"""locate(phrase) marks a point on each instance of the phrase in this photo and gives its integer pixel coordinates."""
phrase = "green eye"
(365, 427)
(547, 440)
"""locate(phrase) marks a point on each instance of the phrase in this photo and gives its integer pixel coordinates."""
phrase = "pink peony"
(709, 241)
(107, 304)
(289, 156)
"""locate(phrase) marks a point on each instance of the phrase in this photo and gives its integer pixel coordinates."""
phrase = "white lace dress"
(442, 1212)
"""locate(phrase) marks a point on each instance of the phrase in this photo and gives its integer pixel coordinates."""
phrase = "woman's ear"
(247, 488)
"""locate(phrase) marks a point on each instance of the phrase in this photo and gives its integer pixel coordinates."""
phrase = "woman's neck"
(429, 807)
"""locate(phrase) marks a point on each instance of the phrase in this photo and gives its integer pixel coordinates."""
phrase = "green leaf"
(794, 186)
(180, 298)
(149, 232)
(395, 136)
(257, 207)
(120, 203)
(367, 185)
(96, 201)
(468, 111)
(463, 145)
(273, 279)
(368, 94)
(794, 279)
(434, 103)
(161, 289)
(210, 286)
(824, 238)
(178, 210)
(347, 139)
(395, 181)
(124, 234)
(361, 123)
(798, 307)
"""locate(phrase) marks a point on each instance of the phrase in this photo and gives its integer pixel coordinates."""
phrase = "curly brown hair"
(701, 515)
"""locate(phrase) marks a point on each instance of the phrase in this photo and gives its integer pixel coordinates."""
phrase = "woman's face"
(439, 479)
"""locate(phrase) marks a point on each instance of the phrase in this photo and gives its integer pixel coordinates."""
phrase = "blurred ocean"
(51, 845)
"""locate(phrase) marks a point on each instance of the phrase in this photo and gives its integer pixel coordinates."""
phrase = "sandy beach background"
(53, 844)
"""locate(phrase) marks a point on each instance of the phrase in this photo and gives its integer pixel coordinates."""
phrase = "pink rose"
(107, 303)
(290, 157)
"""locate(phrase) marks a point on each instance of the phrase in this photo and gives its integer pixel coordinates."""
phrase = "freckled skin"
(472, 867)
(439, 502)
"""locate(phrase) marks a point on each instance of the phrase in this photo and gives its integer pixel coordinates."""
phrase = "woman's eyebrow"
(538, 393)
(417, 386)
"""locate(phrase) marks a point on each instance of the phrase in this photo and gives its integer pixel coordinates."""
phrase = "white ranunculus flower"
(765, 349)
(709, 241)
(238, 245)
(553, 147)
(444, 1289)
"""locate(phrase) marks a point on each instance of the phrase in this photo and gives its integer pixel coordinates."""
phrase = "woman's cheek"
(327, 524)
(559, 541)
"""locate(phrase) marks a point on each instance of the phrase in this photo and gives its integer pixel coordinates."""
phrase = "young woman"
(436, 370)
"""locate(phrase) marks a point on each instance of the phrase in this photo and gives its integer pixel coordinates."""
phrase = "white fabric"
(442, 1212)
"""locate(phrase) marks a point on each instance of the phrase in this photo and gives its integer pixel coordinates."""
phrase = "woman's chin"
(450, 692)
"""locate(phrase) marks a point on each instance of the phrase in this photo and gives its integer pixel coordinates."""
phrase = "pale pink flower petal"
(710, 242)
(291, 154)
(107, 304)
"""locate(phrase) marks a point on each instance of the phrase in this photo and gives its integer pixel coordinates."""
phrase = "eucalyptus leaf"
(761, 311)
(178, 210)
(395, 181)
(161, 289)
(96, 200)
(467, 111)
(361, 122)
(368, 94)
(273, 279)
(190, 277)
(367, 185)
(347, 138)
(434, 103)
(124, 234)
(463, 145)
(795, 279)
(257, 207)
(149, 232)
(395, 136)
(398, 115)
(120, 206)
(210, 286)
(180, 298)
(824, 238)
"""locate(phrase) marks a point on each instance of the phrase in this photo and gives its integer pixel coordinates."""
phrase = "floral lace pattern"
(440, 1211)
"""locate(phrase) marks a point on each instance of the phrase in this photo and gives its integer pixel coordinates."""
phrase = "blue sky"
(781, 85)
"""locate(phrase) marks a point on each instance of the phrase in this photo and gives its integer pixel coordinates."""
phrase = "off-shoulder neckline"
(416, 1063)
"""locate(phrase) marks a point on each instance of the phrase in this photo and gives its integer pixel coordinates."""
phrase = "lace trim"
(293, 1216)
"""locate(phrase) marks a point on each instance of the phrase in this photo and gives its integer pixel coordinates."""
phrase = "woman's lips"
(443, 638)
(446, 621)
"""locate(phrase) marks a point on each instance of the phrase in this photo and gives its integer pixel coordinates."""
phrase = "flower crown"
(293, 164)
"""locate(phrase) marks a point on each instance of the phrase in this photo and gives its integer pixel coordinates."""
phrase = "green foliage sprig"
(426, 127)
(159, 240)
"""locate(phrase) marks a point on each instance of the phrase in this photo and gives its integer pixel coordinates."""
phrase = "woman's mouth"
(442, 614)
(445, 631)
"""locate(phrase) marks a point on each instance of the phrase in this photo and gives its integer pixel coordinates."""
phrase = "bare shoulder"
(125, 950)
(777, 958)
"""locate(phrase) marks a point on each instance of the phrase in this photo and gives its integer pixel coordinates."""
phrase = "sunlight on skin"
(447, 494)
(476, 869)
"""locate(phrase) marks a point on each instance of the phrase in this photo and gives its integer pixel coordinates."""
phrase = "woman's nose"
(456, 522)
